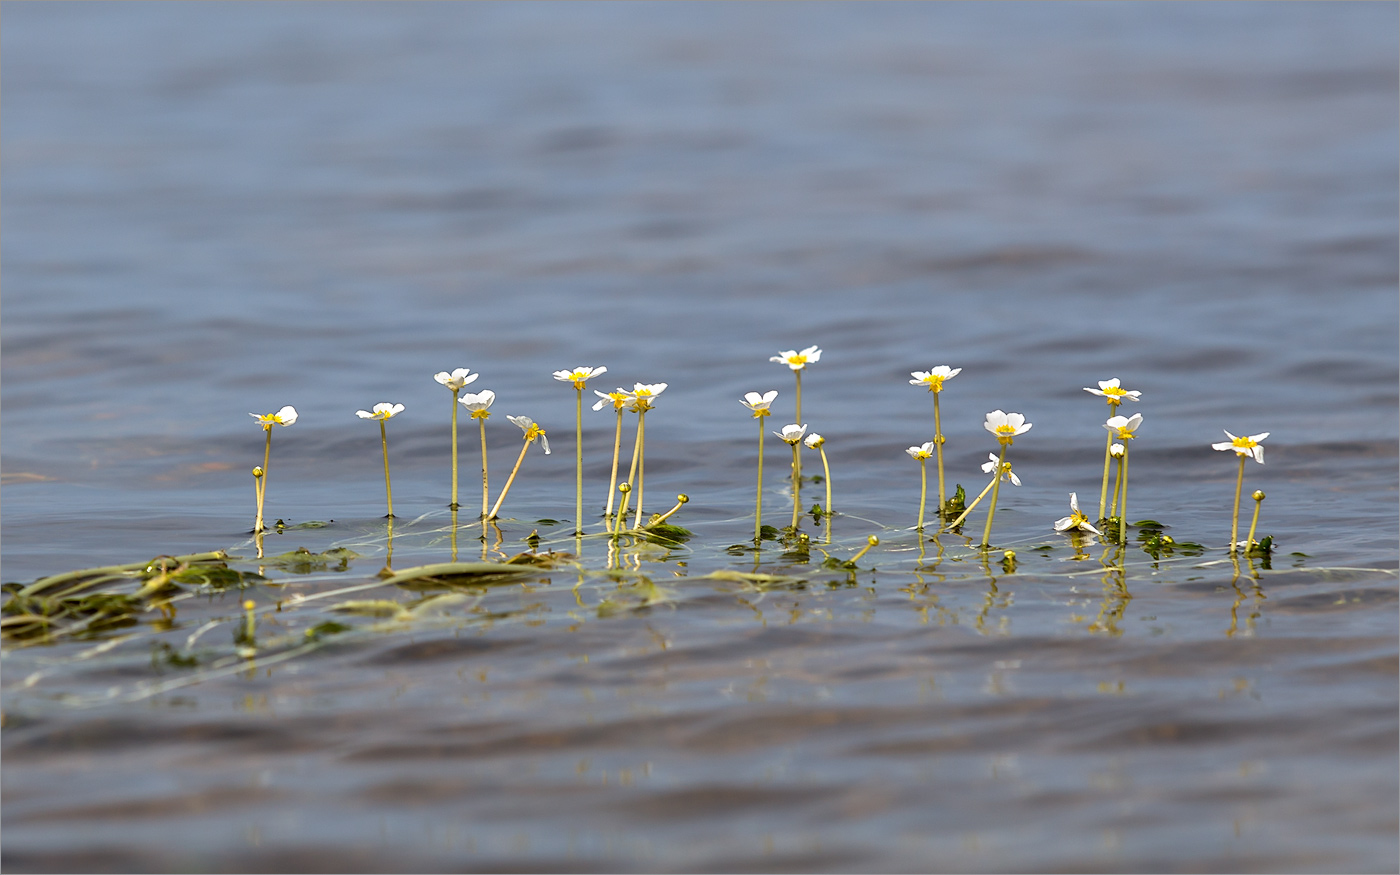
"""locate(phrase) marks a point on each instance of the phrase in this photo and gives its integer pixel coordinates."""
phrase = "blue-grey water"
(216, 209)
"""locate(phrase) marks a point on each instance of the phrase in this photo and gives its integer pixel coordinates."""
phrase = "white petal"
(544, 442)
(1064, 523)
(1015, 481)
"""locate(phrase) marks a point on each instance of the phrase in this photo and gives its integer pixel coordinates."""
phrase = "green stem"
(578, 467)
(938, 444)
(641, 463)
(388, 489)
(262, 481)
(453, 505)
(612, 481)
(1117, 488)
(484, 478)
(1254, 523)
(976, 501)
(797, 462)
(923, 490)
(992, 511)
(796, 486)
(513, 471)
(1103, 490)
(826, 472)
(1235, 516)
(1123, 498)
(758, 502)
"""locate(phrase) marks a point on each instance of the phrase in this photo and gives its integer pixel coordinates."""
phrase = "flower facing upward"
(531, 430)
(382, 410)
(1117, 451)
(618, 399)
(1244, 446)
(797, 360)
(759, 403)
(934, 378)
(1113, 393)
(1006, 472)
(457, 379)
(792, 433)
(286, 416)
(923, 451)
(579, 376)
(478, 403)
(1006, 426)
(814, 441)
(1124, 428)
(1076, 518)
(639, 399)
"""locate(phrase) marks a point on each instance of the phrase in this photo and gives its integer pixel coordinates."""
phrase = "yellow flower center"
(533, 432)
(1244, 442)
(1124, 434)
(480, 414)
(797, 360)
(761, 411)
(1115, 392)
(935, 383)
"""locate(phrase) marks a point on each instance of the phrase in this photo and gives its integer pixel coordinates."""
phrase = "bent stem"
(976, 501)
(996, 490)
(1235, 516)
(626, 490)
(612, 480)
(388, 489)
(758, 502)
(641, 463)
(509, 480)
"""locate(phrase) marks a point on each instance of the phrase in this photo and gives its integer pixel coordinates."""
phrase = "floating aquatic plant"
(284, 417)
(1112, 392)
(1123, 428)
(759, 405)
(1246, 448)
(532, 431)
(798, 362)
(792, 435)
(455, 381)
(579, 378)
(382, 412)
(922, 453)
(934, 380)
(479, 404)
(619, 401)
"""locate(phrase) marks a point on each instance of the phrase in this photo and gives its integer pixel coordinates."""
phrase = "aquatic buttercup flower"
(1006, 426)
(798, 360)
(814, 441)
(792, 433)
(1076, 518)
(1117, 451)
(382, 411)
(923, 451)
(759, 403)
(478, 403)
(1244, 446)
(617, 399)
(579, 376)
(1124, 428)
(1006, 472)
(1113, 392)
(933, 379)
(286, 416)
(457, 379)
(531, 430)
(640, 398)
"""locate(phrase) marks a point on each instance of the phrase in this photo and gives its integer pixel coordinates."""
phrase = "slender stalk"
(484, 476)
(261, 480)
(1235, 516)
(453, 505)
(388, 490)
(796, 485)
(632, 472)
(1123, 497)
(797, 462)
(758, 502)
(509, 481)
(454, 534)
(1117, 488)
(996, 490)
(626, 490)
(826, 473)
(923, 491)
(1254, 523)
(680, 502)
(258, 498)
(1103, 490)
(578, 467)
(612, 481)
(938, 445)
(641, 463)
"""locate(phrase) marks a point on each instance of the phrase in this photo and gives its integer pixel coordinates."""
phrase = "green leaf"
(460, 572)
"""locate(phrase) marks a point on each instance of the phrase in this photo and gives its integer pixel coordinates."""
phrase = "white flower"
(797, 360)
(759, 403)
(382, 410)
(1124, 428)
(579, 376)
(639, 399)
(478, 403)
(1117, 451)
(934, 378)
(1006, 426)
(792, 433)
(286, 416)
(1076, 519)
(531, 430)
(1244, 446)
(457, 379)
(814, 441)
(617, 399)
(1110, 390)
(1006, 472)
(923, 451)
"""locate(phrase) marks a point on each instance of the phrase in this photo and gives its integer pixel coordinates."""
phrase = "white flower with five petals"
(934, 379)
(617, 399)
(923, 451)
(286, 416)
(383, 410)
(1124, 428)
(1006, 426)
(478, 403)
(797, 360)
(792, 433)
(579, 376)
(759, 403)
(640, 398)
(1113, 392)
(1244, 446)
(457, 379)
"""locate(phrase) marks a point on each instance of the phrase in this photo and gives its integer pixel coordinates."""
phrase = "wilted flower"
(457, 379)
(1110, 390)
(383, 410)
(1006, 426)
(531, 430)
(579, 376)
(286, 416)
(1006, 472)
(1244, 446)
(797, 360)
(934, 378)
(759, 403)
(1076, 518)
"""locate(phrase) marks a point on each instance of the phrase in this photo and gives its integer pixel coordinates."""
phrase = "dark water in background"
(217, 209)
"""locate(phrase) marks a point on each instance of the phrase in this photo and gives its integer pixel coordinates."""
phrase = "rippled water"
(218, 209)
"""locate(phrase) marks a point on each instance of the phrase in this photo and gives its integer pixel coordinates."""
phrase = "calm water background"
(217, 209)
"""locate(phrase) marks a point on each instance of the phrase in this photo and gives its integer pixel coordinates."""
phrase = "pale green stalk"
(513, 471)
(1117, 489)
(976, 501)
(1235, 516)
(1258, 503)
(617, 447)
(826, 472)
(923, 490)
(996, 490)
(261, 481)
(796, 462)
(453, 505)
(1103, 490)
(758, 502)
(1123, 497)
(796, 485)
(641, 463)
(388, 489)
(484, 474)
(578, 467)
(938, 444)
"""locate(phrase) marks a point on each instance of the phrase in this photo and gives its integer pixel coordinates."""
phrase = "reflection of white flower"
(618, 399)
(1124, 428)
(1006, 426)
(639, 399)
(457, 379)
(1006, 472)
(1244, 446)
(759, 403)
(1110, 390)
(1076, 518)
(934, 378)
(797, 360)
(792, 433)
(286, 416)
(923, 451)
(531, 430)
(814, 441)
(478, 403)
(579, 376)
(383, 410)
